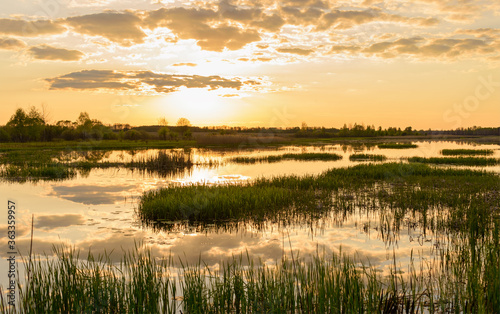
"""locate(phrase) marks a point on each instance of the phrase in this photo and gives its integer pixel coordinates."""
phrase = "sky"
(420, 63)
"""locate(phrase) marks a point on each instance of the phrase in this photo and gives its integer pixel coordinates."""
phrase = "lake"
(97, 211)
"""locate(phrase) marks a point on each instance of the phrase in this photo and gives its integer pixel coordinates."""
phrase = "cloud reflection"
(93, 194)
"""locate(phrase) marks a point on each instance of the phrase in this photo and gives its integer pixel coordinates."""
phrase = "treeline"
(32, 126)
(359, 130)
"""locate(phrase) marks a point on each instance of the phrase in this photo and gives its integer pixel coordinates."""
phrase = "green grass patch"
(278, 158)
(47, 172)
(412, 187)
(397, 145)
(466, 152)
(460, 161)
(367, 157)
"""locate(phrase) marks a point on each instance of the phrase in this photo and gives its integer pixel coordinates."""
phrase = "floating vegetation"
(367, 157)
(277, 158)
(466, 152)
(397, 145)
(461, 161)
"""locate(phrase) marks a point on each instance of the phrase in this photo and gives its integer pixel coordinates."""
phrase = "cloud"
(46, 52)
(422, 48)
(195, 24)
(30, 28)
(11, 43)
(120, 27)
(345, 19)
(143, 81)
(298, 51)
(187, 64)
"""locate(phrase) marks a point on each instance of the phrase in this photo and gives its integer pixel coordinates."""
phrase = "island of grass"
(460, 161)
(286, 196)
(277, 158)
(367, 157)
(396, 145)
(466, 152)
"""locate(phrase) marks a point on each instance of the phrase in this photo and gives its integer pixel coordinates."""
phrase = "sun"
(200, 106)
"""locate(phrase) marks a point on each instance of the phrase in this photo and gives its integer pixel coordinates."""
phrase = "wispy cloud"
(11, 43)
(46, 52)
(24, 28)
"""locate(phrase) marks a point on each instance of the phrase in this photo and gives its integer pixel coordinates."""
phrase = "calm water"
(96, 211)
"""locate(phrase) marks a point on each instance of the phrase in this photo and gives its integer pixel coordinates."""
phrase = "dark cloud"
(46, 52)
(49, 222)
(120, 27)
(30, 28)
(137, 80)
(11, 43)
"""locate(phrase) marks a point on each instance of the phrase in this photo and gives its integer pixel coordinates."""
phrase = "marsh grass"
(397, 145)
(395, 190)
(462, 161)
(47, 172)
(367, 157)
(466, 152)
(278, 158)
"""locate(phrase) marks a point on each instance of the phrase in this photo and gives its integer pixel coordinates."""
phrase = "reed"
(463, 279)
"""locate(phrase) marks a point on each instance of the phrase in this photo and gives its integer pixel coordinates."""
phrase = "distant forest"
(32, 126)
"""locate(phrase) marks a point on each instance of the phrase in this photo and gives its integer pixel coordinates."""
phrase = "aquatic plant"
(367, 157)
(289, 156)
(397, 145)
(467, 152)
(462, 161)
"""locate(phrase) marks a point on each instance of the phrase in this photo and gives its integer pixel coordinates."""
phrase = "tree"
(183, 122)
(162, 121)
(164, 133)
(304, 126)
(183, 125)
(26, 126)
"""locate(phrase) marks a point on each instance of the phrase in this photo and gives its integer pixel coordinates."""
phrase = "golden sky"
(421, 63)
